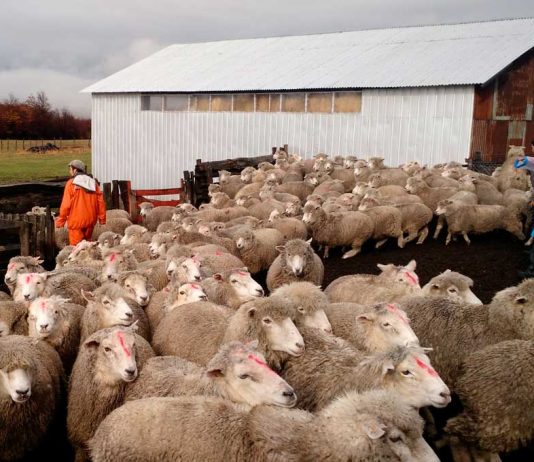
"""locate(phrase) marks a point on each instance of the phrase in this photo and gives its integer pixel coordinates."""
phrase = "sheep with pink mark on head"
(393, 284)
(237, 372)
(183, 269)
(18, 265)
(115, 261)
(108, 360)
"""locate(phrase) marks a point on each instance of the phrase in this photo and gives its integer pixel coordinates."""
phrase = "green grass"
(24, 166)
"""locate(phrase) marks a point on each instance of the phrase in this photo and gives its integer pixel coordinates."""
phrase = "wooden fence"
(35, 235)
(16, 145)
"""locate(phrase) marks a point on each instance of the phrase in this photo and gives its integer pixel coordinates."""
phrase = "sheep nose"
(203, 298)
(43, 326)
(260, 292)
(445, 394)
(23, 393)
(328, 330)
(300, 346)
(197, 278)
(26, 296)
(129, 315)
(143, 298)
(130, 372)
(289, 394)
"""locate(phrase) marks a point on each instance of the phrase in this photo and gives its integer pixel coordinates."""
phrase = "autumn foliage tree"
(35, 118)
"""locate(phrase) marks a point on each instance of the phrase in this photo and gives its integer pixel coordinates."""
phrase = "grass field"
(21, 166)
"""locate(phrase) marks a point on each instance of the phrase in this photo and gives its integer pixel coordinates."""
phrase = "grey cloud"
(90, 39)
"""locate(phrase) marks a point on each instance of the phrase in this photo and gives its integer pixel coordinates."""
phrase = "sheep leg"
(466, 238)
(412, 234)
(351, 253)
(422, 235)
(460, 453)
(400, 241)
(326, 250)
(484, 456)
(439, 226)
(448, 240)
(380, 243)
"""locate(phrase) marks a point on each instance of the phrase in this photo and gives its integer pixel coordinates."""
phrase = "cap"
(78, 165)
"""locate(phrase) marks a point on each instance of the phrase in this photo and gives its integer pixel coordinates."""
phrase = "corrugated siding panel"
(154, 148)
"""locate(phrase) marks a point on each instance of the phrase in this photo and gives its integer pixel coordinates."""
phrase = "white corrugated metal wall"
(153, 149)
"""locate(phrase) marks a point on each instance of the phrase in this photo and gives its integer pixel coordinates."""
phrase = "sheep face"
(368, 203)
(246, 175)
(312, 214)
(452, 285)
(243, 285)
(115, 311)
(376, 163)
(415, 185)
(184, 269)
(375, 181)
(145, 208)
(518, 307)
(29, 286)
(361, 188)
(247, 378)
(137, 285)
(158, 247)
(386, 326)
(16, 382)
(85, 251)
(186, 293)
(312, 179)
(218, 199)
(113, 263)
(43, 316)
(361, 172)
(315, 319)
(108, 240)
(416, 380)
(401, 274)
(190, 224)
(349, 162)
(204, 230)
(274, 215)
(133, 234)
(187, 209)
(293, 209)
(115, 356)
(214, 188)
(224, 176)
(14, 268)
(245, 241)
(444, 207)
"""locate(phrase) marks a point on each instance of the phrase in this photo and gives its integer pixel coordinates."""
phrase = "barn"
(431, 93)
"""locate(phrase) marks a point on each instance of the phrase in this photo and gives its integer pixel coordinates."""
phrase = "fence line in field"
(15, 145)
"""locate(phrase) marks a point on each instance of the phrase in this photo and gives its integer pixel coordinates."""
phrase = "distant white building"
(403, 93)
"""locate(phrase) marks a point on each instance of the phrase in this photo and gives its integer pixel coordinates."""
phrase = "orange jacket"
(81, 208)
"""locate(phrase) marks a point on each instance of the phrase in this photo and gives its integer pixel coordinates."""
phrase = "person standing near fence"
(82, 204)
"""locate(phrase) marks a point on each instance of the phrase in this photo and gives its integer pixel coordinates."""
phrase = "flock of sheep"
(164, 347)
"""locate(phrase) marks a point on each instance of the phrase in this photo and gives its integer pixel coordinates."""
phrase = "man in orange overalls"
(82, 204)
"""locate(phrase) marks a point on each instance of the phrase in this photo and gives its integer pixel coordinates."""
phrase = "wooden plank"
(24, 236)
(106, 191)
(115, 202)
(50, 242)
(125, 187)
(158, 192)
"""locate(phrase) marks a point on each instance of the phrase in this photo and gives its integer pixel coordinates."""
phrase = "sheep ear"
(520, 299)
(388, 367)
(88, 295)
(309, 241)
(280, 248)
(218, 277)
(366, 317)
(92, 344)
(411, 266)
(214, 372)
(435, 286)
(38, 260)
(94, 243)
(382, 267)
(374, 429)
(251, 312)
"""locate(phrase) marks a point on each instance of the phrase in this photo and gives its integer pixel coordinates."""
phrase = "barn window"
(221, 103)
(348, 101)
(275, 103)
(319, 102)
(293, 102)
(244, 102)
(262, 102)
(199, 103)
(151, 103)
(176, 102)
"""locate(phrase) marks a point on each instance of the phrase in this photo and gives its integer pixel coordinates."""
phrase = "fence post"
(50, 242)
(24, 236)
(106, 191)
(115, 204)
(124, 187)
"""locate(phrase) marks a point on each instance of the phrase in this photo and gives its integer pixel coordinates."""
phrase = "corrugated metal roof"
(457, 54)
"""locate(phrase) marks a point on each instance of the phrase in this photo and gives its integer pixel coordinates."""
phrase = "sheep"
(222, 215)
(109, 239)
(107, 361)
(269, 192)
(63, 256)
(487, 193)
(116, 225)
(153, 216)
(57, 322)
(257, 248)
(4, 296)
(166, 301)
(251, 189)
(371, 426)
(31, 378)
(346, 175)
(290, 228)
(469, 327)
(217, 261)
(293, 209)
(85, 253)
(61, 237)
(461, 197)
(229, 183)
(13, 318)
(301, 189)
(338, 229)
(110, 306)
(349, 200)
(329, 186)
(310, 304)
(387, 223)
(495, 388)
(160, 244)
(221, 200)
(231, 288)
(297, 262)
(510, 177)
(393, 176)
(251, 175)
(463, 219)
(116, 260)
(183, 269)
(134, 234)
(414, 219)
(430, 196)
(437, 180)
(137, 285)
(117, 213)
(67, 285)
(453, 285)
(193, 331)
(262, 209)
(331, 367)
(391, 285)
(18, 265)
(237, 372)
(376, 328)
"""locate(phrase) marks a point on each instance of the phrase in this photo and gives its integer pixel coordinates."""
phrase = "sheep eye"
(406, 373)
(395, 439)
(244, 376)
(267, 320)
(182, 292)
(38, 283)
(56, 312)
(301, 309)
(105, 302)
(233, 281)
(452, 290)
(386, 324)
(107, 349)
(128, 285)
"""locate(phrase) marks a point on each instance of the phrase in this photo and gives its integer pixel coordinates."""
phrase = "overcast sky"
(61, 46)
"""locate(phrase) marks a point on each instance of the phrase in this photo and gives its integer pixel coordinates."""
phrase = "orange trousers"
(78, 235)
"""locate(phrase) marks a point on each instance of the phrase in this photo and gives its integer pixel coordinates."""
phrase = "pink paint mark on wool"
(123, 345)
(11, 266)
(42, 305)
(195, 286)
(241, 273)
(394, 309)
(218, 253)
(112, 257)
(260, 362)
(28, 279)
(429, 369)
(412, 278)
